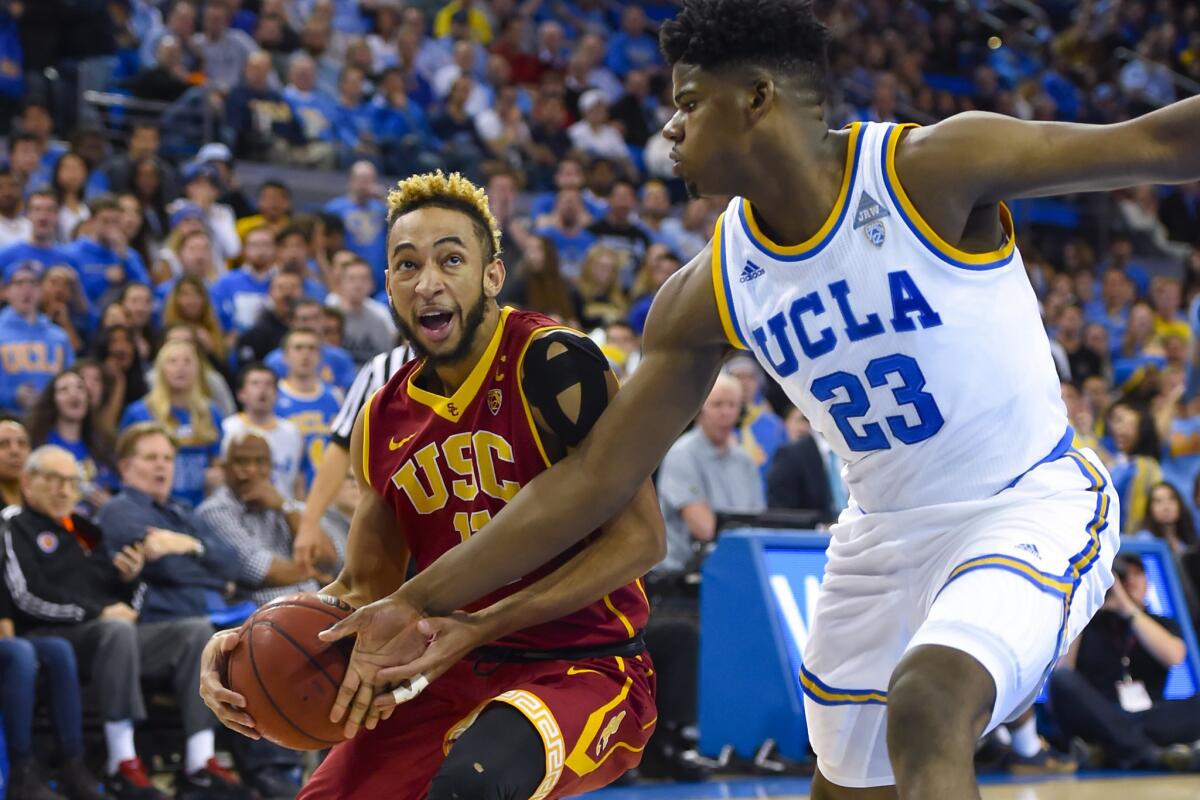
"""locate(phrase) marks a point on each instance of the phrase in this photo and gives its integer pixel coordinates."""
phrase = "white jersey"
(926, 368)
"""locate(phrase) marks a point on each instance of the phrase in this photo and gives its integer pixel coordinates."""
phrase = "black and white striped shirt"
(374, 374)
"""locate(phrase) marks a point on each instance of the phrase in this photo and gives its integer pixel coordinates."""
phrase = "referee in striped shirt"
(311, 545)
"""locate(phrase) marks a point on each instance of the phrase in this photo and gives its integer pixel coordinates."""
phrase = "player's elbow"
(1176, 654)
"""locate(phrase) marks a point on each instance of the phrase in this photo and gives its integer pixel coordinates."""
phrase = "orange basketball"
(288, 676)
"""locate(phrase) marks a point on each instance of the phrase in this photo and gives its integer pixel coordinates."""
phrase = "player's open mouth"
(436, 325)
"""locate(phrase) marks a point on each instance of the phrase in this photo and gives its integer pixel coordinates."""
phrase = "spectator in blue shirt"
(353, 121)
(240, 295)
(63, 416)
(42, 211)
(32, 348)
(177, 402)
(365, 217)
(632, 47)
(567, 227)
(313, 108)
(336, 366)
(103, 255)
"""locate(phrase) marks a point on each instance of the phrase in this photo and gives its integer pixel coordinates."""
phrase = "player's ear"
(493, 278)
(762, 97)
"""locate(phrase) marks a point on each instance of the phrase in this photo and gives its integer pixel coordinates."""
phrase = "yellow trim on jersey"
(866, 696)
(926, 231)
(366, 442)
(533, 428)
(1027, 570)
(466, 393)
(624, 619)
(724, 308)
(835, 213)
(579, 761)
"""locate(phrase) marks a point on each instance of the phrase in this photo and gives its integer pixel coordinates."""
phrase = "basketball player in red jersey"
(550, 693)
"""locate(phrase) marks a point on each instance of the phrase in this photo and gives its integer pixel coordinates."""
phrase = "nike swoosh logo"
(577, 671)
(499, 376)
(394, 445)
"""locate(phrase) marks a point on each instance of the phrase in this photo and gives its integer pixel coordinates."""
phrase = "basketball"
(288, 676)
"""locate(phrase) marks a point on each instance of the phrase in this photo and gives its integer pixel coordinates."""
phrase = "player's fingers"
(228, 641)
(372, 718)
(345, 694)
(231, 716)
(358, 710)
(245, 730)
(351, 624)
(406, 691)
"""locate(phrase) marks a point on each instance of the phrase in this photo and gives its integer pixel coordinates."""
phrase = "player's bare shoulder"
(684, 315)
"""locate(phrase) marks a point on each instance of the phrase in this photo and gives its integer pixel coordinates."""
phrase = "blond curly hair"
(451, 191)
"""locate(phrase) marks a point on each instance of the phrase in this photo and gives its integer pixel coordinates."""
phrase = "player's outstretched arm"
(978, 159)
(683, 348)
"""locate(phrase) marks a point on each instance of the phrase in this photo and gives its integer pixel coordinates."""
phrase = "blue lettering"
(811, 303)
(788, 363)
(907, 300)
(854, 329)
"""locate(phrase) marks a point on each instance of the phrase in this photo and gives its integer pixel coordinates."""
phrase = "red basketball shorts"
(594, 717)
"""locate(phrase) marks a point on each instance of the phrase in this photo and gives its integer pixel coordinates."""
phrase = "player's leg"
(940, 701)
(500, 757)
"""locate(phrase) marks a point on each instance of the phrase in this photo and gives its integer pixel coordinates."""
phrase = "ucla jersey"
(312, 415)
(926, 368)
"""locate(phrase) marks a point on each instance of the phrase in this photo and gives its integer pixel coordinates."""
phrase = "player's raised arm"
(683, 348)
(979, 159)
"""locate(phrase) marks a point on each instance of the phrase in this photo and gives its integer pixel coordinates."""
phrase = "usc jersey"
(447, 465)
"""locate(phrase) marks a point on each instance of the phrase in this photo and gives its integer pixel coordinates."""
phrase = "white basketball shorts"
(1010, 580)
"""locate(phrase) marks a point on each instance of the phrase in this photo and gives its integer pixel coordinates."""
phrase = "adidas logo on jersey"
(750, 272)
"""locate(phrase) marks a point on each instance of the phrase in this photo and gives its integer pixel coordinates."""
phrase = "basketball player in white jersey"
(873, 271)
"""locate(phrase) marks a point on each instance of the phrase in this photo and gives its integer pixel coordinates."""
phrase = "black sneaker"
(26, 782)
(213, 782)
(77, 782)
(274, 783)
(130, 782)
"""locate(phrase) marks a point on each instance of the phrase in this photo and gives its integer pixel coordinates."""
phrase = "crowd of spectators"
(174, 343)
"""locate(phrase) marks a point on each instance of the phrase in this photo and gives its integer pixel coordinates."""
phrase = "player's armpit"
(979, 159)
(683, 348)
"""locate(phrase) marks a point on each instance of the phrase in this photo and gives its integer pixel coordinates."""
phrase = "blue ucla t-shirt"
(337, 366)
(312, 414)
(192, 458)
(366, 231)
(239, 297)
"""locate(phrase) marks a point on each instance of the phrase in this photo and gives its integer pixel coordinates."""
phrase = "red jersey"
(447, 465)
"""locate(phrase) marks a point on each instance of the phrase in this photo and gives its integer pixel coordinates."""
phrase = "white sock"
(1025, 741)
(119, 738)
(199, 750)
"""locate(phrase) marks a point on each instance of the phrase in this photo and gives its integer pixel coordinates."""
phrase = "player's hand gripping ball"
(288, 676)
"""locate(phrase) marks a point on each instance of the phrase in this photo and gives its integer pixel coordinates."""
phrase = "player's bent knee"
(937, 694)
(500, 757)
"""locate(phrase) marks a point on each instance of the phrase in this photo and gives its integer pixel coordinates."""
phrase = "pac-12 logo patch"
(47, 542)
(876, 233)
(494, 398)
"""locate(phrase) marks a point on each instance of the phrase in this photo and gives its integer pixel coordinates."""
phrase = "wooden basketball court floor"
(1096, 786)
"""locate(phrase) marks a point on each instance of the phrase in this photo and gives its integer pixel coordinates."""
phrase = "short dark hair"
(18, 136)
(291, 230)
(294, 332)
(335, 313)
(274, 184)
(253, 366)
(782, 35)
